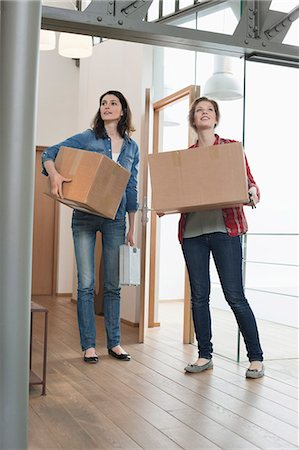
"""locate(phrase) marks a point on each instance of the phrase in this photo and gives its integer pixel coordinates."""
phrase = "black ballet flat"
(91, 359)
(122, 356)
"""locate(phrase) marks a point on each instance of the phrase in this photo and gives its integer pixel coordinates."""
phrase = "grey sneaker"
(194, 368)
(255, 373)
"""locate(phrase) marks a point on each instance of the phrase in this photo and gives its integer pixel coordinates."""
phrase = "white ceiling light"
(223, 85)
(75, 45)
(47, 40)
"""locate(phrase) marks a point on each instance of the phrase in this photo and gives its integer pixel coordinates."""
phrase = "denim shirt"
(128, 158)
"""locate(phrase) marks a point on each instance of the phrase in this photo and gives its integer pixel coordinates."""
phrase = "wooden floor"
(149, 402)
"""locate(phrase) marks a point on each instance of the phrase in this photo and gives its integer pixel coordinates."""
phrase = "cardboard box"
(129, 266)
(98, 183)
(198, 178)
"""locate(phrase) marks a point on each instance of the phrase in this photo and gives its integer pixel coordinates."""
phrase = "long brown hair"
(193, 107)
(125, 122)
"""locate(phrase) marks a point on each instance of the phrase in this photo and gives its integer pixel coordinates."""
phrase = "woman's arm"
(253, 188)
(131, 196)
(79, 141)
(131, 189)
(130, 234)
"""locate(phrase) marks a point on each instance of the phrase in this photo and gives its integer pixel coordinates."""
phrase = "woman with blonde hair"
(217, 232)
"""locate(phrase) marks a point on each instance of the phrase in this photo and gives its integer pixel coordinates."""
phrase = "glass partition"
(271, 141)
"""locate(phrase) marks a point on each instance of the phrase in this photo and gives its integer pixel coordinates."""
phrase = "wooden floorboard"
(150, 402)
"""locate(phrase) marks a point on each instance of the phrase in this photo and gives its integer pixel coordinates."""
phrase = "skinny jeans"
(227, 254)
(84, 227)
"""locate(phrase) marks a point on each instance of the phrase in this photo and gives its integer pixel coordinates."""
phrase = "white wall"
(57, 118)
(272, 139)
(57, 109)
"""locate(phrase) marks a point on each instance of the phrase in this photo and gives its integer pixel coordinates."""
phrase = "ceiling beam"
(103, 20)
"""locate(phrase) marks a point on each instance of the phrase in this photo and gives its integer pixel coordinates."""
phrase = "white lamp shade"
(223, 85)
(75, 45)
(47, 40)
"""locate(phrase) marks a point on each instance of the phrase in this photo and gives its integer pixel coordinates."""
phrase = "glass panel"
(84, 4)
(153, 11)
(283, 5)
(273, 291)
(272, 140)
(292, 36)
(272, 272)
(185, 22)
(224, 21)
(261, 247)
(185, 3)
(168, 7)
(273, 278)
(272, 268)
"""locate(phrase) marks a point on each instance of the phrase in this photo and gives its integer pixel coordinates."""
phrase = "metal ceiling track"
(259, 34)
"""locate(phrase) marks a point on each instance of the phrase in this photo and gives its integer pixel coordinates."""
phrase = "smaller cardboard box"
(129, 266)
(98, 183)
(198, 178)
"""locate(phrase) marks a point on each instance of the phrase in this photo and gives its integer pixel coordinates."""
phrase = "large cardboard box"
(97, 185)
(198, 178)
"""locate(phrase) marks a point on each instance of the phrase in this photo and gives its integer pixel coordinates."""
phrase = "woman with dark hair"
(217, 232)
(109, 135)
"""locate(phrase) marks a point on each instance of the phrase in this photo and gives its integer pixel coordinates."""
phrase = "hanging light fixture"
(223, 85)
(47, 40)
(75, 46)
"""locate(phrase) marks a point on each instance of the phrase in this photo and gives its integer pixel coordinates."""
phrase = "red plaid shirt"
(234, 218)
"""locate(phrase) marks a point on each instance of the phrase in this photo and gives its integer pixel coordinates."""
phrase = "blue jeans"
(85, 227)
(227, 254)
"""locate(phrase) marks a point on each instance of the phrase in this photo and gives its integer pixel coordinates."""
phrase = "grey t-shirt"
(204, 222)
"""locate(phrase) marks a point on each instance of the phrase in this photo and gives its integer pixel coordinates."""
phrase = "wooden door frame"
(39, 150)
(192, 92)
(143, 247)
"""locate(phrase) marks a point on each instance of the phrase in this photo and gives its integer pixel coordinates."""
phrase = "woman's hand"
(252, 192)
(57, 181)
(130, 238)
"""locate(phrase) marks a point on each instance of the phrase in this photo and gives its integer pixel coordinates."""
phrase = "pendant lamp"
(223, 85)
(75, 46)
